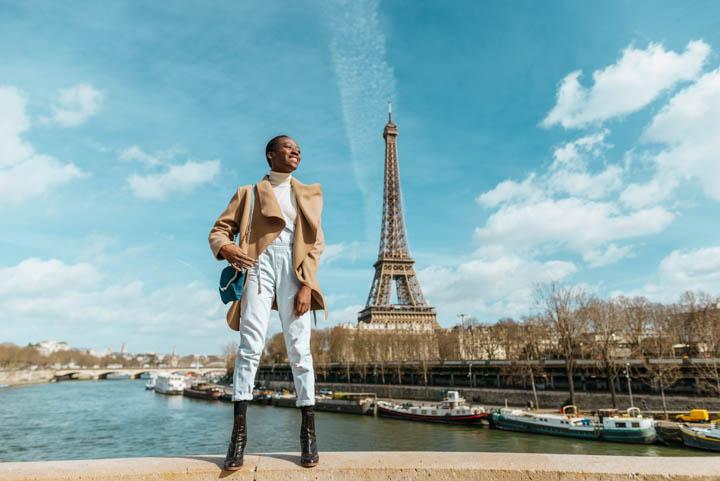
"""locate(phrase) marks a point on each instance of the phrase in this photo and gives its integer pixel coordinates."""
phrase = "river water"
(111, 419)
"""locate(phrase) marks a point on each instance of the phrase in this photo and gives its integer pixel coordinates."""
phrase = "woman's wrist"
(224, 250)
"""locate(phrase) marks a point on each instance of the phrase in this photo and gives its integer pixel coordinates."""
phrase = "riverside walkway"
(376, 466)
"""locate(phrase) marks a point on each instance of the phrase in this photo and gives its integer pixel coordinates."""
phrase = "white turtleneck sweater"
(286, 200)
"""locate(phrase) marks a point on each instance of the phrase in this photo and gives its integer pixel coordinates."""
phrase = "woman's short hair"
(270, 147)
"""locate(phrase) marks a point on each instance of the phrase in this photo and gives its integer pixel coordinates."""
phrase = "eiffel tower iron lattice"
(394, 263)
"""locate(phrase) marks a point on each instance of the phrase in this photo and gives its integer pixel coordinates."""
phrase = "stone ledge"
(356, 466)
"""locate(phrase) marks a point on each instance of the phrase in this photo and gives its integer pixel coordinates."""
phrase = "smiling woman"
(281, 255)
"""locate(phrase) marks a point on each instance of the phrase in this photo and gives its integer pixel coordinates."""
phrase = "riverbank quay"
(22, 377)
(586, 401)
(371, 466)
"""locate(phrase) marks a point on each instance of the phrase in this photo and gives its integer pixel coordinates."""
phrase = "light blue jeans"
(273, 275)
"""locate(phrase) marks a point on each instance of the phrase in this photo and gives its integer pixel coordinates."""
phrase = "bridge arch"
(104, 375)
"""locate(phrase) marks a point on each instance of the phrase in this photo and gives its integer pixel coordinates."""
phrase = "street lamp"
(627, 374)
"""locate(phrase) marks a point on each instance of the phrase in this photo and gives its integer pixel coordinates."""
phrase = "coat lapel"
(308, 200)
(269, 206)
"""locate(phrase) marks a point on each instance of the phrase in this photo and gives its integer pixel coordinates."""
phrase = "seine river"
(111, 419)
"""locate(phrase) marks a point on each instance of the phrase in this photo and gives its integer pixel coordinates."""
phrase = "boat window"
(619, 425)
(635, 425)
(434, 412)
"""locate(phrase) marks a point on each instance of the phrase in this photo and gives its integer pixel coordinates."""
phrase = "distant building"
(123, 349)
(98, 353)
(48, 347)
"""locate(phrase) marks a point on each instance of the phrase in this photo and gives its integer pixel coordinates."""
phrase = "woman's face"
(286, 156)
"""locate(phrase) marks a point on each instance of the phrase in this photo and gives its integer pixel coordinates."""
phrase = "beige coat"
(267, 223)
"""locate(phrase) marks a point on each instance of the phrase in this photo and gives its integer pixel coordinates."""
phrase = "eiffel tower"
(394, 262)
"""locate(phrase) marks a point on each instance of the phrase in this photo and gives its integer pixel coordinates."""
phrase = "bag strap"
(246, 239)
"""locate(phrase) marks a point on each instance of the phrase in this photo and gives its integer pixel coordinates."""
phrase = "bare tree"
(606, 332)
(564, 310)
(659, 362)
(510, 337)
(449, 345)
(532, 335)
(634, 324)
(275, 350)
(703, 313)
(340, 344)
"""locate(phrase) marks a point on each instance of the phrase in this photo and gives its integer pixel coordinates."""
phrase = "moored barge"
(631, 428)
(452, 410)
(702, 438)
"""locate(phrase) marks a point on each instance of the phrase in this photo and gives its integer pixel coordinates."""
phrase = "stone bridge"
(132, 373)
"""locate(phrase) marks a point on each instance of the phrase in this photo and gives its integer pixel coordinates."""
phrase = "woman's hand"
(237, 257)
(302, 301)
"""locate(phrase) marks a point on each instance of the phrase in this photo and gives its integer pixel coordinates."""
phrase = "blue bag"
(232, 280)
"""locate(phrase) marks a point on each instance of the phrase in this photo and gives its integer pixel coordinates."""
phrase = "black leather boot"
(308, 443)
(238, 439)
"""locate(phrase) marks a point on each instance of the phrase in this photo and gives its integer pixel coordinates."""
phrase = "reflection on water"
(106, 419)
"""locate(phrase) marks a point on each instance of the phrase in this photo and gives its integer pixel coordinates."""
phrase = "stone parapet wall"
(376, 466)
(516, 397)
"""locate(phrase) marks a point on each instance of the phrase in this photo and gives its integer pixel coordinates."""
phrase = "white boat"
(630, 428)
(150, 385)
(169, 383)
(452, 410)
(702, 438)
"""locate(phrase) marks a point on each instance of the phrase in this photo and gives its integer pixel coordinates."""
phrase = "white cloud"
(653, 192)
(685, 270)
(24, 173)
(509, 190)
(345, 251)
(687, 127)
(492, 286)
(581, 204)
(630, 84)
(569, 172)
(693, 268)
(33, 276)
(337, 316)
(135, 154)
(584, 184)
(572, 154)
(46, 299)
(183, 178)
(611, 255)
(75, 105)
(573, 223)
(573, 205)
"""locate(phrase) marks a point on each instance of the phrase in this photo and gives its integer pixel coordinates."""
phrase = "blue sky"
(566, 141)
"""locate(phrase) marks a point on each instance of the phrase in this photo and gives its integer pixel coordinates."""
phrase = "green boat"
(630, 428)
